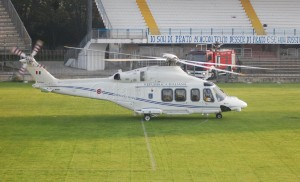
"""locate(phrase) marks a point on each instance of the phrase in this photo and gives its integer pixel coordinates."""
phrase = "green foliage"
(48, 137)
(56, 22)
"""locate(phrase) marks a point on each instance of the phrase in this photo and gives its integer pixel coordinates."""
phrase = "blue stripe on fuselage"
(136, 98)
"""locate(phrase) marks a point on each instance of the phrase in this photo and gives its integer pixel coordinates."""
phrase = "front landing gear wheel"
(219, 116)
(147, 117)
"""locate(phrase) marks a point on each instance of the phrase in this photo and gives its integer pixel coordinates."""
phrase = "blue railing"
(143, 33)
(119, 33)
(283, 31)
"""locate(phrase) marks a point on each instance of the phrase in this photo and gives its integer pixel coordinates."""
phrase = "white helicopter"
(149, 91)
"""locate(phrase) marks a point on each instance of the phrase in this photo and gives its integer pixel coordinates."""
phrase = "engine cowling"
(171, 59)
(131, 76)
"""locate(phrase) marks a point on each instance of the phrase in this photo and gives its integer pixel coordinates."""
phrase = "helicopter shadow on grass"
(231, 123)
(71, 127)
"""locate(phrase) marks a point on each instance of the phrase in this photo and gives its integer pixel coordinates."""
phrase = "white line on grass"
(152, 160)
(205, 121)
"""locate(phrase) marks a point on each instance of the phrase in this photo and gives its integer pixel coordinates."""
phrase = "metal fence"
(285, 66)
(43, 55)
(50, 55)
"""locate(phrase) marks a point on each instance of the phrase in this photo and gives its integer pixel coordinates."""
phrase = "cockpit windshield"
(219, 93)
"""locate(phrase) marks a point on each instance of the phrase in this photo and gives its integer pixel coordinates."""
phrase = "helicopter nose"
(243, 104)
(237, 104)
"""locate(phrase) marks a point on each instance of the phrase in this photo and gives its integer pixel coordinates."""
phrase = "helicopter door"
(210, 104)
(123, 95)
(139, 94)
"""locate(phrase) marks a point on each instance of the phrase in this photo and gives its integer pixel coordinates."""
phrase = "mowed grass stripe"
(55, 137)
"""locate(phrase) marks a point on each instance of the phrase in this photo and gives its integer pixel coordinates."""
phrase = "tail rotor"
(27, 59)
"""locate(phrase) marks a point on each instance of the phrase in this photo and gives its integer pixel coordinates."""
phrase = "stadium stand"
(257, 25)
(278, 14)
(12, 30)
(202, 17)
(146, 12)
(198, 14)
(123, 14)
(169, 14)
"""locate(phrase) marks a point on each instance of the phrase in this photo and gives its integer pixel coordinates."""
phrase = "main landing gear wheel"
(219, 116)
(147, 117)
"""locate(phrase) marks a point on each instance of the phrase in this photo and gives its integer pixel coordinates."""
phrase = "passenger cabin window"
(207, 95)
(180, 95)
(195, 95)
(167, 95)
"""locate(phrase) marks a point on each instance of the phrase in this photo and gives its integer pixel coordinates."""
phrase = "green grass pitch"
(49, 137)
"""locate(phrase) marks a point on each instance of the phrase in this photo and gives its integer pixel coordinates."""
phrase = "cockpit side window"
(220, 95)
(207, 95)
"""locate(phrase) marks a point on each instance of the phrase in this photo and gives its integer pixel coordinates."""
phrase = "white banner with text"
(227, 39)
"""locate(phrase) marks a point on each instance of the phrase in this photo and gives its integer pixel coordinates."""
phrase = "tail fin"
(42, 77)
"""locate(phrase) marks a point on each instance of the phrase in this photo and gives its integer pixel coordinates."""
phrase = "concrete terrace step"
(11, 40)
(12, 44)
(7, 28)
(3, 12)
(8, 35)
(9, 24)
(4, 20)
(4, 16)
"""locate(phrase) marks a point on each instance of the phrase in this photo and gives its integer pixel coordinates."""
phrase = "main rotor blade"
(77, 48)
(233, 65)
(212, 68)
(127, 60)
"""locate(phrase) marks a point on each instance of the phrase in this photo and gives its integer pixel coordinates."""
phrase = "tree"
(56, 22)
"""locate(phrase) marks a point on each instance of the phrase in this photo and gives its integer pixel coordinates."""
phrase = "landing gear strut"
(219, 116)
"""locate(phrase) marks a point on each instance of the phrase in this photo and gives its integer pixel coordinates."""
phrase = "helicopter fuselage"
(152, 91)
